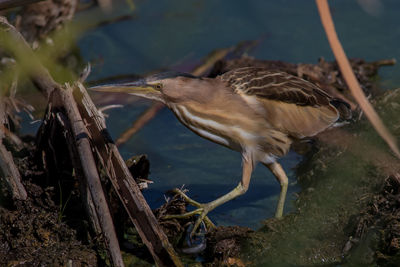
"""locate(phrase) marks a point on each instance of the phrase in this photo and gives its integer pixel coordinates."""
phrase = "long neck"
(200, 124)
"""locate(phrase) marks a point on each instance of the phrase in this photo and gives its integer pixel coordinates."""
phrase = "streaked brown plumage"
(255, 111)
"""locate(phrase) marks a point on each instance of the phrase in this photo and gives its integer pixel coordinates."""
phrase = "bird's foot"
(201, 211)
(195, 244)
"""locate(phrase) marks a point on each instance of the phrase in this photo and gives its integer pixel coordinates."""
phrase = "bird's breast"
(238, 132)
(212, 127)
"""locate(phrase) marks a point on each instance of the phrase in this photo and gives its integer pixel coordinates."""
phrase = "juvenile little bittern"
(255, 111)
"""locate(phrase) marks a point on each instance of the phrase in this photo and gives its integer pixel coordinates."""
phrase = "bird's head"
(165, 87)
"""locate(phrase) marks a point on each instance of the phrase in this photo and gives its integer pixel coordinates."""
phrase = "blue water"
(177, 35)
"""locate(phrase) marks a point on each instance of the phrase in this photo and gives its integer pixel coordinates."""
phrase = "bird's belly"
(212, 136)
(240, 144)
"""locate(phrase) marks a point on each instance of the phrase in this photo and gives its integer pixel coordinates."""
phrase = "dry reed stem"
(350, 78)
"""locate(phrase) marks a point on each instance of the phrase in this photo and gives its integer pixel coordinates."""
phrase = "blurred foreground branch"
(35, 22)
(351, 79)
(5, 4)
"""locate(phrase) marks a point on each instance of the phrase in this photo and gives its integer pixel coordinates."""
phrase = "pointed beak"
(140, 88)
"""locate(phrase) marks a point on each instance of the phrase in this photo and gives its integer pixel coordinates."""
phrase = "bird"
(253, 110)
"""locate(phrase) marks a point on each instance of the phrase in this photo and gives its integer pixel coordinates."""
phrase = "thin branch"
(351, 79)
(144, 118)
(210, 60)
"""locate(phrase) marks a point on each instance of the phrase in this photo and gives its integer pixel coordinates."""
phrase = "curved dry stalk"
(148, 115)
(350, 78)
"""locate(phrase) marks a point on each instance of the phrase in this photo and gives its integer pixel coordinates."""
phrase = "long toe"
(201, 211)
(184, 215)
(201, 214)
(186, 198)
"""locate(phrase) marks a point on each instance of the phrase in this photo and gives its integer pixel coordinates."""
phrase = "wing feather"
(275, 85)
(289, 103)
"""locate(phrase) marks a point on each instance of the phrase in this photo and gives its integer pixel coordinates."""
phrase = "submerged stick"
(351, 79)
(144, 118)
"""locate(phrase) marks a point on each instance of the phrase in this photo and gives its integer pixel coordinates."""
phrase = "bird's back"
(288, 103)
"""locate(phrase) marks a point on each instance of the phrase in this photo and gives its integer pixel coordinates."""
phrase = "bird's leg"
(203, 209)
(280, 175)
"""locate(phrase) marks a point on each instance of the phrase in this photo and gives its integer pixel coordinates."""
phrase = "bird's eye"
(158, 86)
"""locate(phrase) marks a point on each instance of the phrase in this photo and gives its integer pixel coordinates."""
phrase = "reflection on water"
(178, 34)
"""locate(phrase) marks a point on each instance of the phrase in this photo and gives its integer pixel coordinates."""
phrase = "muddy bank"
(34, 232)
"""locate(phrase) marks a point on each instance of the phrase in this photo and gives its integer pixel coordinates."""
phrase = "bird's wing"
(275, 85)
(289, 103)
